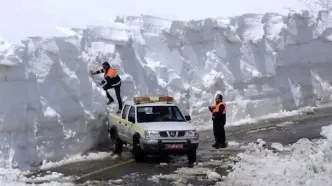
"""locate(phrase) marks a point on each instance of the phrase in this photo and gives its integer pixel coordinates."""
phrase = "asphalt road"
(124, 171)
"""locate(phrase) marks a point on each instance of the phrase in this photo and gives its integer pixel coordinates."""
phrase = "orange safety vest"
(216, 108)
(111, 73)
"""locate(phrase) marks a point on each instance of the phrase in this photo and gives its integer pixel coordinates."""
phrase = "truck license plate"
(174, 146)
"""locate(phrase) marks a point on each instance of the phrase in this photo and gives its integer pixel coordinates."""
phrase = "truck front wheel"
(191, 156)
(138, 151)
(117, 142)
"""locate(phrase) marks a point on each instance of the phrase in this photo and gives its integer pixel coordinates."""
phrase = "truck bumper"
(160, 146)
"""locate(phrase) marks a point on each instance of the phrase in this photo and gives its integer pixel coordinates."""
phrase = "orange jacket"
(218, 112)
(111, 76)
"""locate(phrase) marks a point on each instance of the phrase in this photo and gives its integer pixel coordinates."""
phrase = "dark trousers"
(219, 133)
(117, 89)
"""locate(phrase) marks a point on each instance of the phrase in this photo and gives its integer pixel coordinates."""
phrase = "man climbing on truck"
(112, 80)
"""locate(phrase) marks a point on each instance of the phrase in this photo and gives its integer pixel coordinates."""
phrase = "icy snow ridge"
(261, 63)
(303, 163)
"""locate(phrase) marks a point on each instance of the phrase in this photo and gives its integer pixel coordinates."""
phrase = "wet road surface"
(124, 171)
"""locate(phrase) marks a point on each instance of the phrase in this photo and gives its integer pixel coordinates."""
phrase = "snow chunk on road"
(213, 176)
(278, 147)
(327, 132)
(117, 181)
(233, 144)
(77, 158)
(14, 177)
(182, 174)
(261, 142)
(307, 163)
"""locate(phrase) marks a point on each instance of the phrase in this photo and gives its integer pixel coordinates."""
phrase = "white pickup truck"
(153, 125)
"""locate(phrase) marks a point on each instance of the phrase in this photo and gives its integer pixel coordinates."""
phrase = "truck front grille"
(166, 134)
(163, 134)
(181, 133)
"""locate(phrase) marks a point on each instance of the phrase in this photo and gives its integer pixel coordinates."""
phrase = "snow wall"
(50, 107)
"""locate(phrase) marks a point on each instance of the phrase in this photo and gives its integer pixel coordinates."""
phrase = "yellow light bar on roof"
(166, 99)
(153, 99)
(138, 100)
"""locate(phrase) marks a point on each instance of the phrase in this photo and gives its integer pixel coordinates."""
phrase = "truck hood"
(161, 126)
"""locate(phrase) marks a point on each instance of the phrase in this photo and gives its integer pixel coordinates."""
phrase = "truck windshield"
(158, 114)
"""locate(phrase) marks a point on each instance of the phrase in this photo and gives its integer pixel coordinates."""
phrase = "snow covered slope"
(302, 163)
(262, 64)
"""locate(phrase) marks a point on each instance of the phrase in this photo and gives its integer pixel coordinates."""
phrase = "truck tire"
(117, 142)
(191, 156)
(138, 151)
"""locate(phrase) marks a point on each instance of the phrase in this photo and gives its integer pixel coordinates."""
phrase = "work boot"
(222, 145)
(215, 145)
(109, 102)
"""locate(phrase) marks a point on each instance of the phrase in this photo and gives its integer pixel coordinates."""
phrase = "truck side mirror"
(188, 118)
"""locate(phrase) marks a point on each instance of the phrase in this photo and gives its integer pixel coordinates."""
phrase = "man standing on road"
(113, 80)
(219, 121)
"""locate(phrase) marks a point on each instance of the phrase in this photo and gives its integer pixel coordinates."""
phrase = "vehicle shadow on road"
(170, 159)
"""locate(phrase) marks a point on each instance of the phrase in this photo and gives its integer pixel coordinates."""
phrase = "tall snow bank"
(49, 106)
(262, 64)
(303, 163)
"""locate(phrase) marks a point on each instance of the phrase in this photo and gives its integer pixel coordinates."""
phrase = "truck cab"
(153, 125)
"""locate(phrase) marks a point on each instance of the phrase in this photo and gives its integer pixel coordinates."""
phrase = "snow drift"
(303, 163)
(262, 64)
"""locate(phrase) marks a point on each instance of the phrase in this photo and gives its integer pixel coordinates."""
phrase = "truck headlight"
(151, 134)
(191, 133)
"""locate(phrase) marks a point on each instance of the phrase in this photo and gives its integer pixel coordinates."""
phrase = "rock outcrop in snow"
(262, 64)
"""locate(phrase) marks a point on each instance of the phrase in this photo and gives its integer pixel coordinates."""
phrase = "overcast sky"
(22, 18)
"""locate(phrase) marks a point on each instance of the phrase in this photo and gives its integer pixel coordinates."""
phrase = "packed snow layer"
(262, 64)
(303, 163)
(14, 177)
(78, 158)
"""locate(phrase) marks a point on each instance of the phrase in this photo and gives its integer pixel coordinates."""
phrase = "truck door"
(128, 128)
(122, 123)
